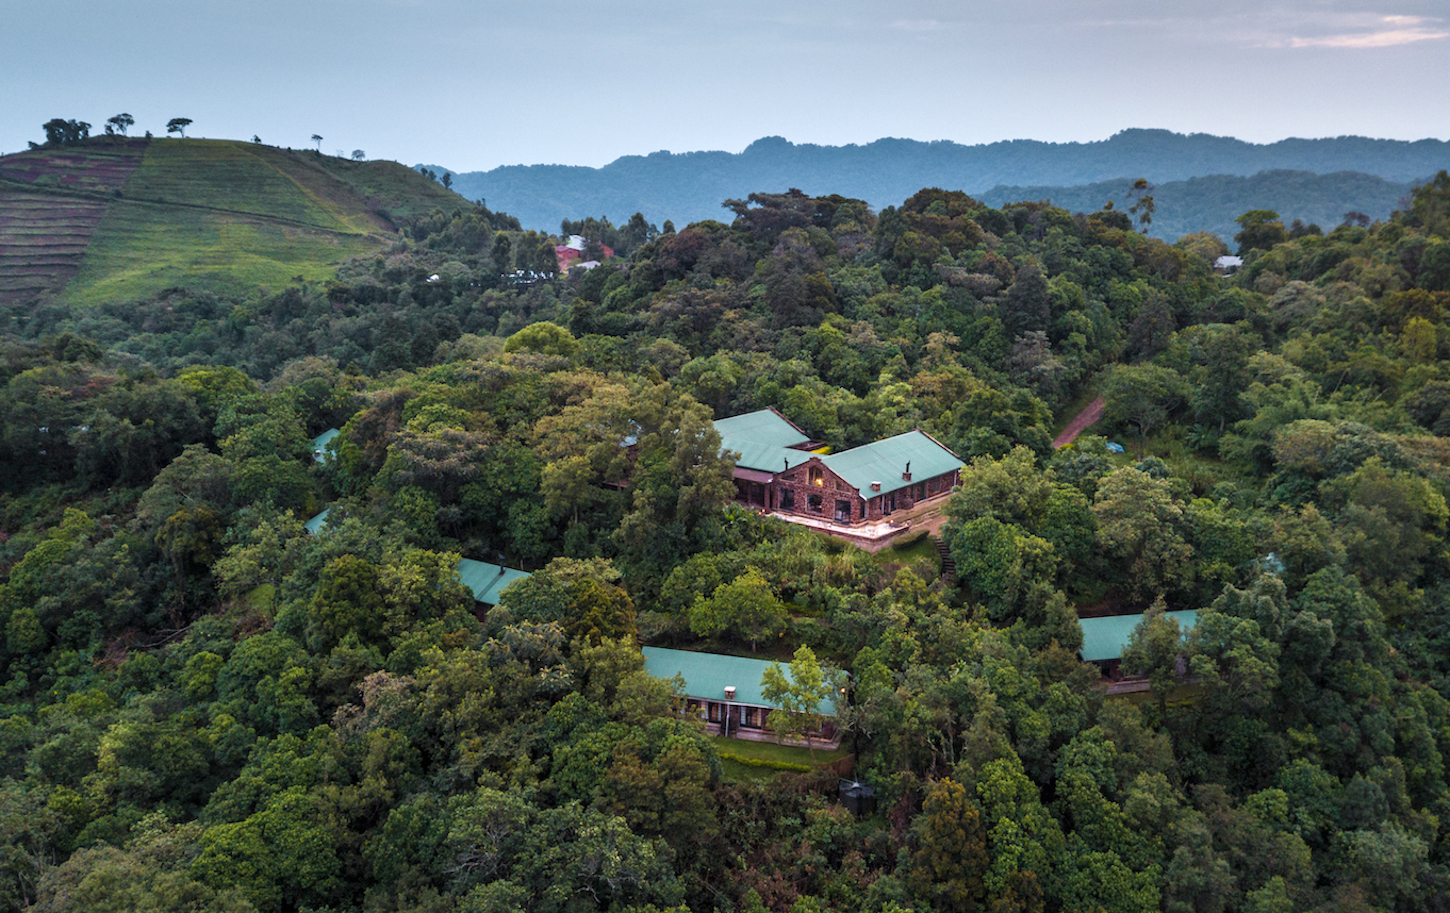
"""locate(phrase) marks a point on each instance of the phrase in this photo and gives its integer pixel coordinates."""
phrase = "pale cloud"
(917, 25)
(1384, 32)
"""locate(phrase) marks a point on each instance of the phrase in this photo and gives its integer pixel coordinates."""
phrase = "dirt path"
(1080, 423)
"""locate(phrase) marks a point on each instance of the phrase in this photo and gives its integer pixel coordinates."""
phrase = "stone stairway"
(948, 566)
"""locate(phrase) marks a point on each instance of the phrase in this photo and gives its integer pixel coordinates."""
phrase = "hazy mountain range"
(690, 186)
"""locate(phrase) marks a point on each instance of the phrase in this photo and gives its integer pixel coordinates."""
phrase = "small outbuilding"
(487, 581)
(315, 525)
(319, 444)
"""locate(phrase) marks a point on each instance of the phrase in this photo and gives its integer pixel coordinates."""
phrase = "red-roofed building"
(572, 252)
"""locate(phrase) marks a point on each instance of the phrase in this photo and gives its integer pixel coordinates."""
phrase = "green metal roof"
(764, 426)
(1105, 638)
(764, 440)
(319, 444)
(765, 457)
(316, 524)
(884, 461)
(487, 580)
(707, 674)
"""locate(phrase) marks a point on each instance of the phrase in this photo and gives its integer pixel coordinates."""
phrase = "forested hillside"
(1212, 203)
(205, 707)
(689, 186)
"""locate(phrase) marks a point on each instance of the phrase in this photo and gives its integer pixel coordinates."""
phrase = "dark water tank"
(858, 798)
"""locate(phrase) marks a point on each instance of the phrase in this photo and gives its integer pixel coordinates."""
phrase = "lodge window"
(714, 716)
(817, 476)
(787, 499)
(813, 502)
(752, 718)
(843, 510)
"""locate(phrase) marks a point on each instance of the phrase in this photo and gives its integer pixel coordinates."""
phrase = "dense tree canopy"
(203, 706)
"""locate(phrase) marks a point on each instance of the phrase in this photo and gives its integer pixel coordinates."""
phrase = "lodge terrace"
(780, 470)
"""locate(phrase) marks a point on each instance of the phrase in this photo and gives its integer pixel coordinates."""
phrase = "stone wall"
(907, 497)
(799, 482)
(793, 489)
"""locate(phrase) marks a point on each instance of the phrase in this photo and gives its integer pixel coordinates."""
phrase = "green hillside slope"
(50, 204)
(123, 219)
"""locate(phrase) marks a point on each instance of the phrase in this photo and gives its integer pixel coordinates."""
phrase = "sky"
(474, 84)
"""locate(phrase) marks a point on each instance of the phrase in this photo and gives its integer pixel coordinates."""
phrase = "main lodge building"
(777, 469)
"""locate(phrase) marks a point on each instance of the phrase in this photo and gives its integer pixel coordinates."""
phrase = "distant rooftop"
(319, 445)
(315, 525)
(486, 580)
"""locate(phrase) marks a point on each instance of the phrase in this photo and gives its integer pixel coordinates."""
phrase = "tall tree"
(797, 695)
(120, 123)
(1259, 229)
(1141, 194)
(1141, 395)
(746, 605)
(1141, 526)
(59, 131)
(949, 865)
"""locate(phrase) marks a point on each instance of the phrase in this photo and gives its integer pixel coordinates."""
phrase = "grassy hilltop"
(125, 218)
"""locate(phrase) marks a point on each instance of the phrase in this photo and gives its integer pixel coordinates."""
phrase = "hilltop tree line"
(60, 131)
(206, 707)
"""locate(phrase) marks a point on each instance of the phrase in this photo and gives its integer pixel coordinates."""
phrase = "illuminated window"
(817, 476)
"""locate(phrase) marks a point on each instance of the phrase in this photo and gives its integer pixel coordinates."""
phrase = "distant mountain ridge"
(690, 186)
(1211, 203)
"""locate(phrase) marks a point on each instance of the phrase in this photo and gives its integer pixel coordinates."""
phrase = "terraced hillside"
(115, 219)
(50, 204)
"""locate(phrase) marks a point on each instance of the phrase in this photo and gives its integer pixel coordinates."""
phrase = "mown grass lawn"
(923, 549)
(737, 772)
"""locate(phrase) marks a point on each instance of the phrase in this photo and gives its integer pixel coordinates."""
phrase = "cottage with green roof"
(775, 470)
(1105, 638)
(726, 692)
(486, 581)
(319, 445)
